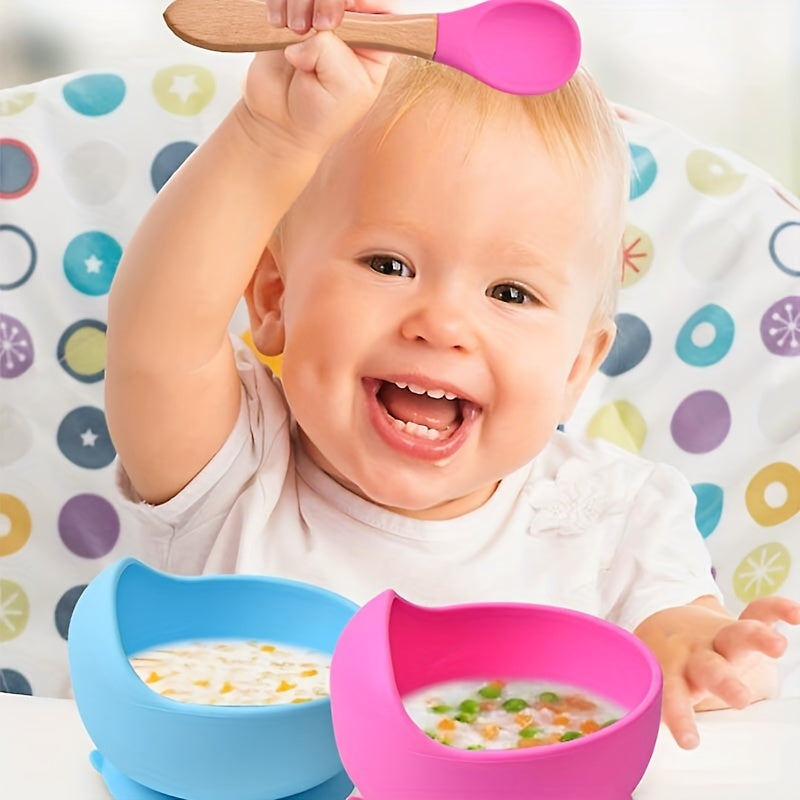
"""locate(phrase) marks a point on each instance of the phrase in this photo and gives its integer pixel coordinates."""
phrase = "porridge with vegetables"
(235, 673)
(500, 715)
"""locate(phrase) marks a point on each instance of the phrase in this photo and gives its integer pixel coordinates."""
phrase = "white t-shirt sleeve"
(661, 560)
(179, 534)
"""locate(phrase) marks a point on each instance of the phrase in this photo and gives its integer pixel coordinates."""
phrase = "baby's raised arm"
(172, 391)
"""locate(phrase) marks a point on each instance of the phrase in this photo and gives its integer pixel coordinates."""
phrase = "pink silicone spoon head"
(517, 46)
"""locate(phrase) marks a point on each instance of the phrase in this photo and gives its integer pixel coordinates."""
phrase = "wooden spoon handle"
(240, 26)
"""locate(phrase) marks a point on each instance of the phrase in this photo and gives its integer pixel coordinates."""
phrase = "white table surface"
(744, 755)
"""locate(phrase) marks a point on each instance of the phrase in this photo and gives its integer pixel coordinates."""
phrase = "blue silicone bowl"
(196, 751)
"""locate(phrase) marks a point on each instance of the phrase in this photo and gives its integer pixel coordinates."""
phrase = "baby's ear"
(595, 348)
(264, 298)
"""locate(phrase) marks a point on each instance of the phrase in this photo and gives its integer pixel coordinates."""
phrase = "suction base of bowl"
(122, 787)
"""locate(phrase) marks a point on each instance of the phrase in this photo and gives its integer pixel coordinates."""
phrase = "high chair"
(704, 373)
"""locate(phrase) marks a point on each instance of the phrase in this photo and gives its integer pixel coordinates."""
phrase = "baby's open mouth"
(432, 413)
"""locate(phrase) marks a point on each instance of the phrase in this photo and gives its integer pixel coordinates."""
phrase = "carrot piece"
(490, 732)
(523, 719)
(446, 724)
(284, 686)
(561, 719)
(590, 726)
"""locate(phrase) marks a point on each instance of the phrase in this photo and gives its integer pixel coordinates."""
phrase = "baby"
(437, 263)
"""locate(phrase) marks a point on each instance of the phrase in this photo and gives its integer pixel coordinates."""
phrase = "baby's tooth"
(450, 396)
(415, 389)
(436, 394)
(400, 385)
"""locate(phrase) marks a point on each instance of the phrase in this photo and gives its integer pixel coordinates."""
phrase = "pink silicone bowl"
(391, 647)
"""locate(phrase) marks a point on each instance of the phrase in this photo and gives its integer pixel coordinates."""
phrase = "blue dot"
(90, 261)
(789, 269)
(84, 439)
(18, 168)
(168, 160)
(65, 607)
(643, 170)
(13, 682)
(631, 345)
(708, 510)
(705, 354)
(94, 95)
(16, 270)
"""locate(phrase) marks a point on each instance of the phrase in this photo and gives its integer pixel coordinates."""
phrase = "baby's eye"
(509, 293)
(389, 265)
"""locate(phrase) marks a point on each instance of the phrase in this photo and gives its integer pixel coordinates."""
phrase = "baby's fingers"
(773, 609)
(746, 636)
(709, 672)
(677, 713)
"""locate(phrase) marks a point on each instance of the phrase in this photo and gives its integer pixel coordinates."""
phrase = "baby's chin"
(419, 499)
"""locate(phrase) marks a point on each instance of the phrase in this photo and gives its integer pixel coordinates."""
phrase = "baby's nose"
(445, 325)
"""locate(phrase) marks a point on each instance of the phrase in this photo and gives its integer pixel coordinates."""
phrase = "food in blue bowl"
(223, 739)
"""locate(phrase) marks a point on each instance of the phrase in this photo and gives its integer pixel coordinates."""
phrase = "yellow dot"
(637, 255)
(761, 572)
(15, 524)
(787, 476)
(273, 362)
(14, 103)
(710, 174)
(85, 351)
(14, 610)
(184, 89)
(621, 423)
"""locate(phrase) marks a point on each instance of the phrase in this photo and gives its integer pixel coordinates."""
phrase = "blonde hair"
(576, 123)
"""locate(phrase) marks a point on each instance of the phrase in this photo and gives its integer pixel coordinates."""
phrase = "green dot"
(14, 610)
(514, 704)
(568, 736)
(549, 697)
(491, 691)
(530, 732)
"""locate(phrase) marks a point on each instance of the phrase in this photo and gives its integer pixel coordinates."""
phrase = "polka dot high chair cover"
(704, 373)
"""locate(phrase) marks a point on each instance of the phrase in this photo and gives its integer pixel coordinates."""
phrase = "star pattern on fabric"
(93, 265)
(184, 86)
(89, 438)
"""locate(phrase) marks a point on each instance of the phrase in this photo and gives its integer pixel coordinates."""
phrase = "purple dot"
(701, 422)
(16, 347)
(780, 327)
(88, 525)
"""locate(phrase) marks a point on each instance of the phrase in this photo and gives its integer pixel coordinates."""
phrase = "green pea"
(464, 716)
(530, 732)
(433, 735)
(476, 747)
(609, 722)
(491, 691)
(568, 736)
(469, 706)
(440, 709)
(549, 697)
(514, 704)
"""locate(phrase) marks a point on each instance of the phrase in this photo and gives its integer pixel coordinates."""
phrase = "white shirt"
(584, 525)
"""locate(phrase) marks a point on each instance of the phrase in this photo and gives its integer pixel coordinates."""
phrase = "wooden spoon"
(517, 46)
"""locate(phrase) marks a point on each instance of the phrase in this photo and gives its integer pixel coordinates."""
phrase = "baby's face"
(438, 309)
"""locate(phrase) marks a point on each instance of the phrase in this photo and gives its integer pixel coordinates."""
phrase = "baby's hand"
(322, 15)
(302, 15)
(311, 93)
(713, 660)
